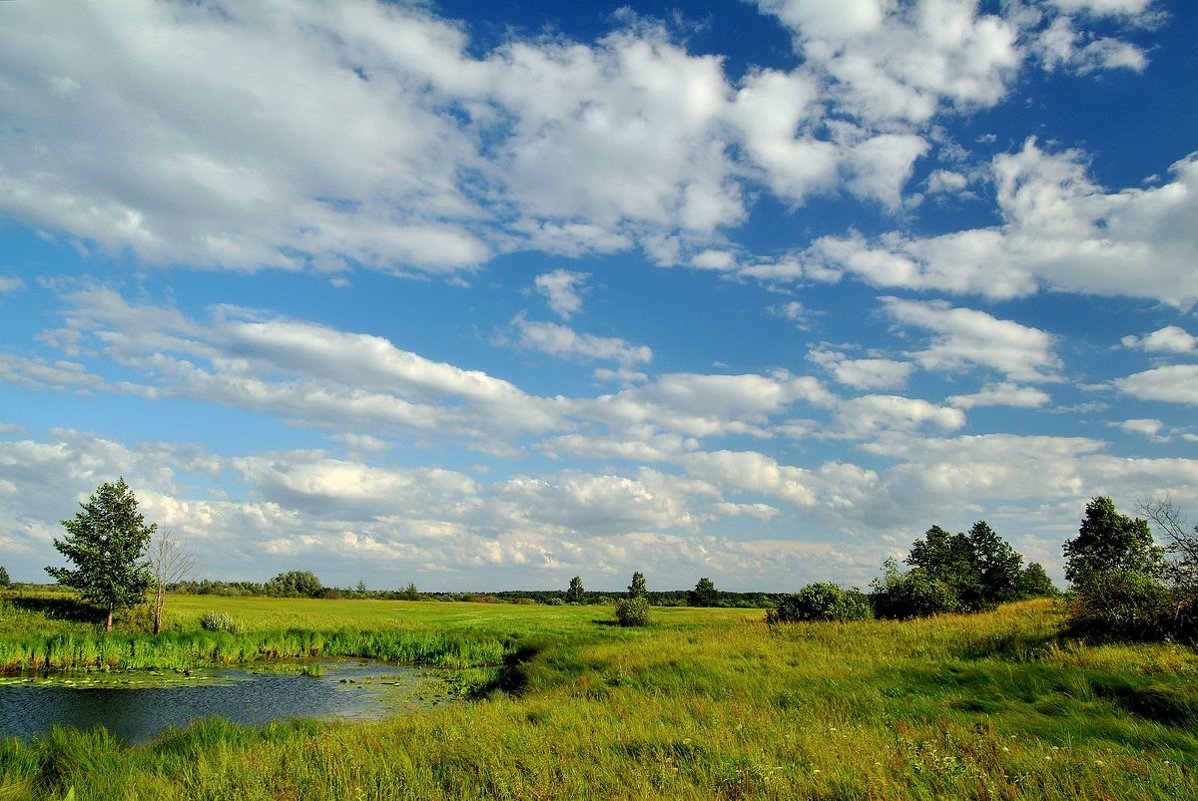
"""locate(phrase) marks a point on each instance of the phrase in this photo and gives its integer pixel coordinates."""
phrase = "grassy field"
(705, 703)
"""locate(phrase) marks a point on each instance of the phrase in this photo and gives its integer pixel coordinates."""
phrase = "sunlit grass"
(705, 703)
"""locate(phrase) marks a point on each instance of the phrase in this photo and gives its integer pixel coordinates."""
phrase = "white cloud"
(946, 182)
(1104, 7)
(1061, 45)
(562, 341)
(1144, 427)
(1004, 393)
(1173, 383)
(1059, 231)
(10, 284)
(967, 338)
(873, 373)
(563, 291)
(1170, 339)
(900, 62)
(870, 416)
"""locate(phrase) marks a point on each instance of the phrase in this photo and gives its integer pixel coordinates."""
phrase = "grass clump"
(219, 621)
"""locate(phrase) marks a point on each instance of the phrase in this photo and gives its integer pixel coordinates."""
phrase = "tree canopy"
(704, 593)
(957, 573)
(107, 541)
(575, 592)
(1109, 541)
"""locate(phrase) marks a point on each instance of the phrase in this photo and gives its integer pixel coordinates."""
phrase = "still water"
(347, 690)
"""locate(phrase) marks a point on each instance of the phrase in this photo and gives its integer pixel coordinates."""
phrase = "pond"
(136, 706)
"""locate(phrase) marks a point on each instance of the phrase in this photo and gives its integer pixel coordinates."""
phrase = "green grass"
(705, 703)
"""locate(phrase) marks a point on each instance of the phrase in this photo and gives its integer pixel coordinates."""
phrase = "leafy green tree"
(1111, 542)
(107, 541)
(917, 593)
(295, 583)
(704, 593)
(5, 581)
(637, 588)
(1035, 583)
(575, 592)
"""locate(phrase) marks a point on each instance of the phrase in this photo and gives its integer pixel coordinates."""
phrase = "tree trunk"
(108, 625)
(159, 600)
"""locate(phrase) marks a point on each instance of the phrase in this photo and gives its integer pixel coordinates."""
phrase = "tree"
(998, 565)
(107, 541)
(1035, 583)
(5, 581)
(704, 593)
(1110, 542)
(575, 592)
(169, 564)
(1181, 544)
(637, 588)
(301, 583)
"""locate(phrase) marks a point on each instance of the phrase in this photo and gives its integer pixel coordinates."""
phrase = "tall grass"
(703, 704)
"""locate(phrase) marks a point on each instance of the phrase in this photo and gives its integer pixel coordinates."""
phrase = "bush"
(821, 601)
(633, 611)
(1122, 604)
(219, 621)
(912, 594)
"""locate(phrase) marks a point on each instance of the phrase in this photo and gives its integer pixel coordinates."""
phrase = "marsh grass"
(709, 703)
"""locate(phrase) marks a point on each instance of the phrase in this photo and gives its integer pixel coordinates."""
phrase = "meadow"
(702, 704)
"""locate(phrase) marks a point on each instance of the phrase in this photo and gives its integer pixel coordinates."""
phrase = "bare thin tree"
(1181, 542)
(170, 563)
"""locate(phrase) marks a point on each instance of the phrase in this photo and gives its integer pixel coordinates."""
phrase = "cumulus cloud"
(1171, 383)
(1060, 231)
(563, 341)
(1062, 46)
(967, 338)
(1144, 427)
(10, 284)
(1004, 393)
(562, 290)
(872, 373)
(902, 61)
(1170, 339)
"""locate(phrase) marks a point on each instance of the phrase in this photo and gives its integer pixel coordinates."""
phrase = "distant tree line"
(1123, 584)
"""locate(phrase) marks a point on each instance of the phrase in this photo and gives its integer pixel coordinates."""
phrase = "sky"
(487, 295)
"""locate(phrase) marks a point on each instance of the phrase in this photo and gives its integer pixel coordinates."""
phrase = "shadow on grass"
(513, 676)
(58, 608)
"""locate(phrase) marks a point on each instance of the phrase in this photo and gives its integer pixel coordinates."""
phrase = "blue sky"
(484, 296)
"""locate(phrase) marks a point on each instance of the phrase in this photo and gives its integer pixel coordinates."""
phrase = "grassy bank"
(703, 704)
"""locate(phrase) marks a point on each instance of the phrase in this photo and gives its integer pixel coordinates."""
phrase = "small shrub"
(219, 621)
(633, 612)
(1122, 604)
(821, 601)
(915, 593)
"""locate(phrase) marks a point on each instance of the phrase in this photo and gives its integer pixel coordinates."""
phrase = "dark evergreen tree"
(637, 588)
(704, 593)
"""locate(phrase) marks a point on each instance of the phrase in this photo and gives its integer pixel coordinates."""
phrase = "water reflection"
(345, 690)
